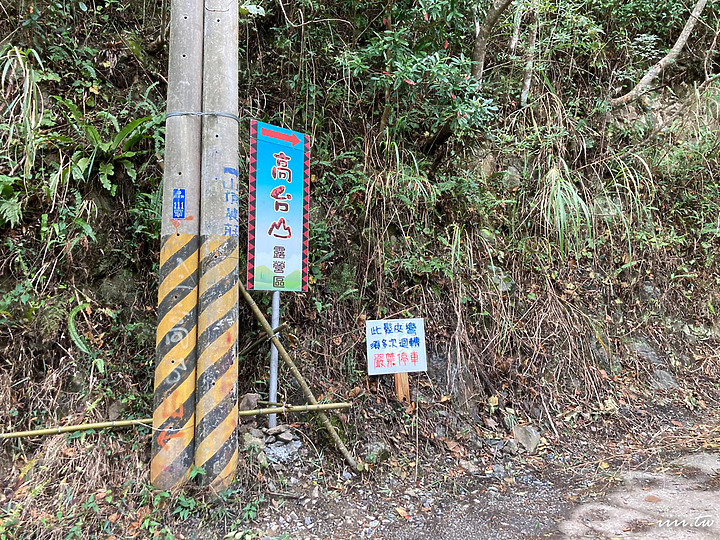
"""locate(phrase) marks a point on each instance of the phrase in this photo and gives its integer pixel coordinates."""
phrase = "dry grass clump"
(73, 484)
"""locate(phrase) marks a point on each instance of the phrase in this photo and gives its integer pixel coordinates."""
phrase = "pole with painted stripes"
(216, 448)
(174, 398)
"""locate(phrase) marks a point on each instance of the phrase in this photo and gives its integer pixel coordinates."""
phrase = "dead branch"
(670, 58)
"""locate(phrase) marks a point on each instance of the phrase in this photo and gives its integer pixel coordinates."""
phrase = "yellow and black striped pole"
(216, 447)
(176, 353)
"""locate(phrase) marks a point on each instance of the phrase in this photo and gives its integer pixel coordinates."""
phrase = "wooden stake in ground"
(402, 387)
(174, 402)
(216, 448)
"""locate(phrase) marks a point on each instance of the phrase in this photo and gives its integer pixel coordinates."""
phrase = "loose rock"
(528, 437)
(662, 380)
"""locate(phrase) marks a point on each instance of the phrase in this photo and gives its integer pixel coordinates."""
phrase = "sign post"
(278, 219)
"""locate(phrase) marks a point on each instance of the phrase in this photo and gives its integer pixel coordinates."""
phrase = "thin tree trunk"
(388, 106)
(668, 59)
(519, 11)
(530, 55)
(483, 34)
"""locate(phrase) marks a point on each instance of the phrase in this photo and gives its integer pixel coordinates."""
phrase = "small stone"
(277, 430)
(283, 453)
(510, 448)
(285, 436)
(662, 380)
(646, 353)
(528, 437)
(495, 444)
(115, 410)
(248, 402)
(257, 433)
(250, 441)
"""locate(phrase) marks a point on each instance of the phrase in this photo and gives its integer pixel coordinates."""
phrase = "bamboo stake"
(262, 340)
(147, 422)
(299, 378)
(78, 427)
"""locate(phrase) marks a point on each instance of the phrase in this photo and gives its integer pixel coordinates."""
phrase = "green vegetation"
(525, 235)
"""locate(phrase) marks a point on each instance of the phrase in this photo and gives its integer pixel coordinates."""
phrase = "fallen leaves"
(456, 449)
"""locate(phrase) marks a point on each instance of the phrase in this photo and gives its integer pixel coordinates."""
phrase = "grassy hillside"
(550, 241)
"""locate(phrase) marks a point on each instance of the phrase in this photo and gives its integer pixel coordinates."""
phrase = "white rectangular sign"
(395, 346)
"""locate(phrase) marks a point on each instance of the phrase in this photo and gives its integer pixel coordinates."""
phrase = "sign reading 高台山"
(278, 205)
(395, 346)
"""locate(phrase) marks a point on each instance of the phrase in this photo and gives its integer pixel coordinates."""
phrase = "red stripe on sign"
(306, 215)
(280, 136)
(251, 206)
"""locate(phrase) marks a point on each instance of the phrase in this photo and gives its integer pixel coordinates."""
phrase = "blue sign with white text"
(178, 204)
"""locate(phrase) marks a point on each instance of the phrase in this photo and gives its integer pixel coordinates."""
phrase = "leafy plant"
(20, 120)
(102, 156)
(563, 210)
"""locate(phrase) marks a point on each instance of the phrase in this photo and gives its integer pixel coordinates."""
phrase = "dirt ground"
(650, 474)
(676, 498)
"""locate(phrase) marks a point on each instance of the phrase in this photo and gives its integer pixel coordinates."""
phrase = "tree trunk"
(668, 59)
(530, 55)
(483, 34)
(388, 106)
(517, 21)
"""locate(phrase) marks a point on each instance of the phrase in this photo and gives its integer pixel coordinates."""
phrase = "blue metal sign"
(178, 204)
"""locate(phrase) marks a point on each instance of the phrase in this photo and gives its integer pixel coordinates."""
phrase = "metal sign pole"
(216, 447)
(174, 401)
(272, 418)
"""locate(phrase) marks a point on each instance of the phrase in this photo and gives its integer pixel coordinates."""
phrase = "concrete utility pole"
(174, 404)
(216, 448)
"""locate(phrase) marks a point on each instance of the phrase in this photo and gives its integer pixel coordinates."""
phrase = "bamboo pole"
(147, 422)
(262, 340)
(79, 427)
(298, 377)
